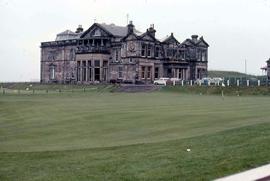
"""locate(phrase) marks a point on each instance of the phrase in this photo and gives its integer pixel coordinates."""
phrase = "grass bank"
(215, 90)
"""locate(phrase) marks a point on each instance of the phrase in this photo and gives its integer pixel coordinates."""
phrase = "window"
(182, 54)
(105, 70)
(52, 72)
(120, 72)
(143, 49)
(97, 74)
(149, 50)
(174, 52)
(192, 53)
(116, 55)
(149, 72)
(203, 56)
(143, 72)
(180, 74)
(170, 52)
(156, 72)
(79, 71)
(89, 70)
(169, 73)
(97, 33)
(84, 70)
(105, 63)
(198, 73)
(97, 70)
(97, 63)
(157, 52)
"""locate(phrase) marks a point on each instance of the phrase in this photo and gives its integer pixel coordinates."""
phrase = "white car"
(161, 81)
(205, 81)
(217, 80)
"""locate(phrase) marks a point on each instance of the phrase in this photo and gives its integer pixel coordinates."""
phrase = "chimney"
(130, 27)
(79, 29)
(194, 38)
(152, 30)
(268, 61)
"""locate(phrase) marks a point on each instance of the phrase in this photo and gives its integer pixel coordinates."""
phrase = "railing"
(90, 49)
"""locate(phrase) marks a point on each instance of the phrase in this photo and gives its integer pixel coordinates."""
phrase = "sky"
(236, 30)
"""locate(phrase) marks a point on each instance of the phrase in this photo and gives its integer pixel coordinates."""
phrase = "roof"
(169, 38)
(116, 30)
(196, 42)
(67, 35)
(164, 38)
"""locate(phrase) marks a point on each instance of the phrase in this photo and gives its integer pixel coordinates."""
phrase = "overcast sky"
(235, 29)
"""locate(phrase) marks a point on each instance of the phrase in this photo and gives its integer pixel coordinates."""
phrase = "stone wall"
(62, 59)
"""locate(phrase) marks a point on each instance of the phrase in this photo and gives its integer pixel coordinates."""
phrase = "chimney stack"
(130, 27)
(152, 30)
(79, 29)
(194, 38)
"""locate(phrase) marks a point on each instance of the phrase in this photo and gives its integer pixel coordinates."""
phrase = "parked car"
(161, 81)
(206, 81)
(199, 82)
(217, 81)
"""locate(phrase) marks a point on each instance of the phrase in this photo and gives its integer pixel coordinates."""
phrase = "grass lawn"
(138, 136)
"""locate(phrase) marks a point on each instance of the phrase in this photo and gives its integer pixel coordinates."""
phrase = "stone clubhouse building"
(109, 53)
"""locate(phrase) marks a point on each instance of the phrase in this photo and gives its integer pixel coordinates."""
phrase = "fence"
(33, 91)
(230, 81)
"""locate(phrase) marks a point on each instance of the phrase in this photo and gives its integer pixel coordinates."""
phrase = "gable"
(130, 37)
(202, 43)
(188, 42)
(147, 37)
(95, 31)
(171, 40)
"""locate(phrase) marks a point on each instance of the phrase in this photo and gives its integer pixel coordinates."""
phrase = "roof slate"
(67, 35)
(116, 30)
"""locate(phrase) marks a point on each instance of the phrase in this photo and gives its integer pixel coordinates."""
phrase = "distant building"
(106, 53)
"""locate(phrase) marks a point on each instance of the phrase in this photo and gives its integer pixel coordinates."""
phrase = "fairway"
(131, 136)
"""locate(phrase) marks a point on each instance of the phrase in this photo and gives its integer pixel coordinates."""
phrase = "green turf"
(223, 73)
(139, 136)
(217, 90)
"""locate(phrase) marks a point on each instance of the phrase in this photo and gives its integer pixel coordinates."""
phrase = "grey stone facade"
(108, 53)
